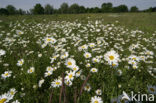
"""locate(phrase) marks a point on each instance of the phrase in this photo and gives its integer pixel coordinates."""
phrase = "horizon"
(26, 5)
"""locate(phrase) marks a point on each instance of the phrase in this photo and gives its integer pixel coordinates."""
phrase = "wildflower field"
(86, 58)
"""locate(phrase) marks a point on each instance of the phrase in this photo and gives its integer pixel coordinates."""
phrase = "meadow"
(77, 58)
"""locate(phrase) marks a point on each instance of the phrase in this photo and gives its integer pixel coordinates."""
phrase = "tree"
(134, 9)
(64, 8)
(82, 9)
(21, 12)
(106, 7)
(120, 8)
(11, 9)
(48, 9)
(74, 8)
(38, 9)
(4, 11)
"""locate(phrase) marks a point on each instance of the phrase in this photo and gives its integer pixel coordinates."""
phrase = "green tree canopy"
(134, 9)
(64, 8)
(48, 9)
(106, 7)
(38, 9)
(11, 9)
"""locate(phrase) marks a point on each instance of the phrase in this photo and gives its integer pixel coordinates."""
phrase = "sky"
(27, 4)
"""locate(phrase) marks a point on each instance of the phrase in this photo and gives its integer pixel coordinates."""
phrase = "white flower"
(75, 68)
(50, 40)
(87, 55)
(94, 70)
(49, 69)
(12, 91)
(111, 57)
(19, 32)
(70, 63)
(47, 73)
(152, 89)
(5, 98)
(87, 88)
(31, 70)
(56, 83)
(20, 62)
(2, 52)
(91, 45)
(70, 76)
(41, 82)
(95, 60)
(98, 92)
(6, 74)
(96, 99)
(16, 101)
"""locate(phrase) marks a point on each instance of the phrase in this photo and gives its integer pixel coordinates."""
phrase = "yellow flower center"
(70, 76)
(134, 58)
(6, 74)
(96, 101)
(69, 63)
(152, 89)
(48, 39)
(12, 93)
(74, 68)
(93, 70)
(57, 83)
(87, 55)
(113, 64)
(3, 100)
(111, 57)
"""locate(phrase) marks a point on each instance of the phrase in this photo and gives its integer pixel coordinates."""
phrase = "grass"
(51, 41)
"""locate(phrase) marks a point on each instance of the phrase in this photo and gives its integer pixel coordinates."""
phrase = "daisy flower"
(98, 92)
(94, 70)
(152, 89)
(87, 55)
(56, 83)
(31, 70)
(111, 56)
(70, 63)
(19, 32)
(20, 62)
(2, 52)
(70, 76)
(6, 74)
(96, 99)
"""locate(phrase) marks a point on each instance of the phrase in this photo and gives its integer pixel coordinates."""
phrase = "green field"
(89, 58)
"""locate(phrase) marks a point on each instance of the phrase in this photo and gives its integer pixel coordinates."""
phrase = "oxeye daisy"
(70, 76)
(95, 60)
(70, 63)
(56, 83)
(12, 91)
(151, 89)
(40, 83)
(50, 40)
(46, 74)
(87, 55)
(96, 99)
(2, 52)
(111, 56)
(20, 62)
(19, 32)
(75, 68)
(98, 92)
(87, 87)
(6, 74)
(31, 70)
(94, 70)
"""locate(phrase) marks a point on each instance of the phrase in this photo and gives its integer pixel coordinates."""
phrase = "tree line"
(72, 9)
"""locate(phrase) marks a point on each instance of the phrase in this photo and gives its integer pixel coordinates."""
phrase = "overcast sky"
(27, 4)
